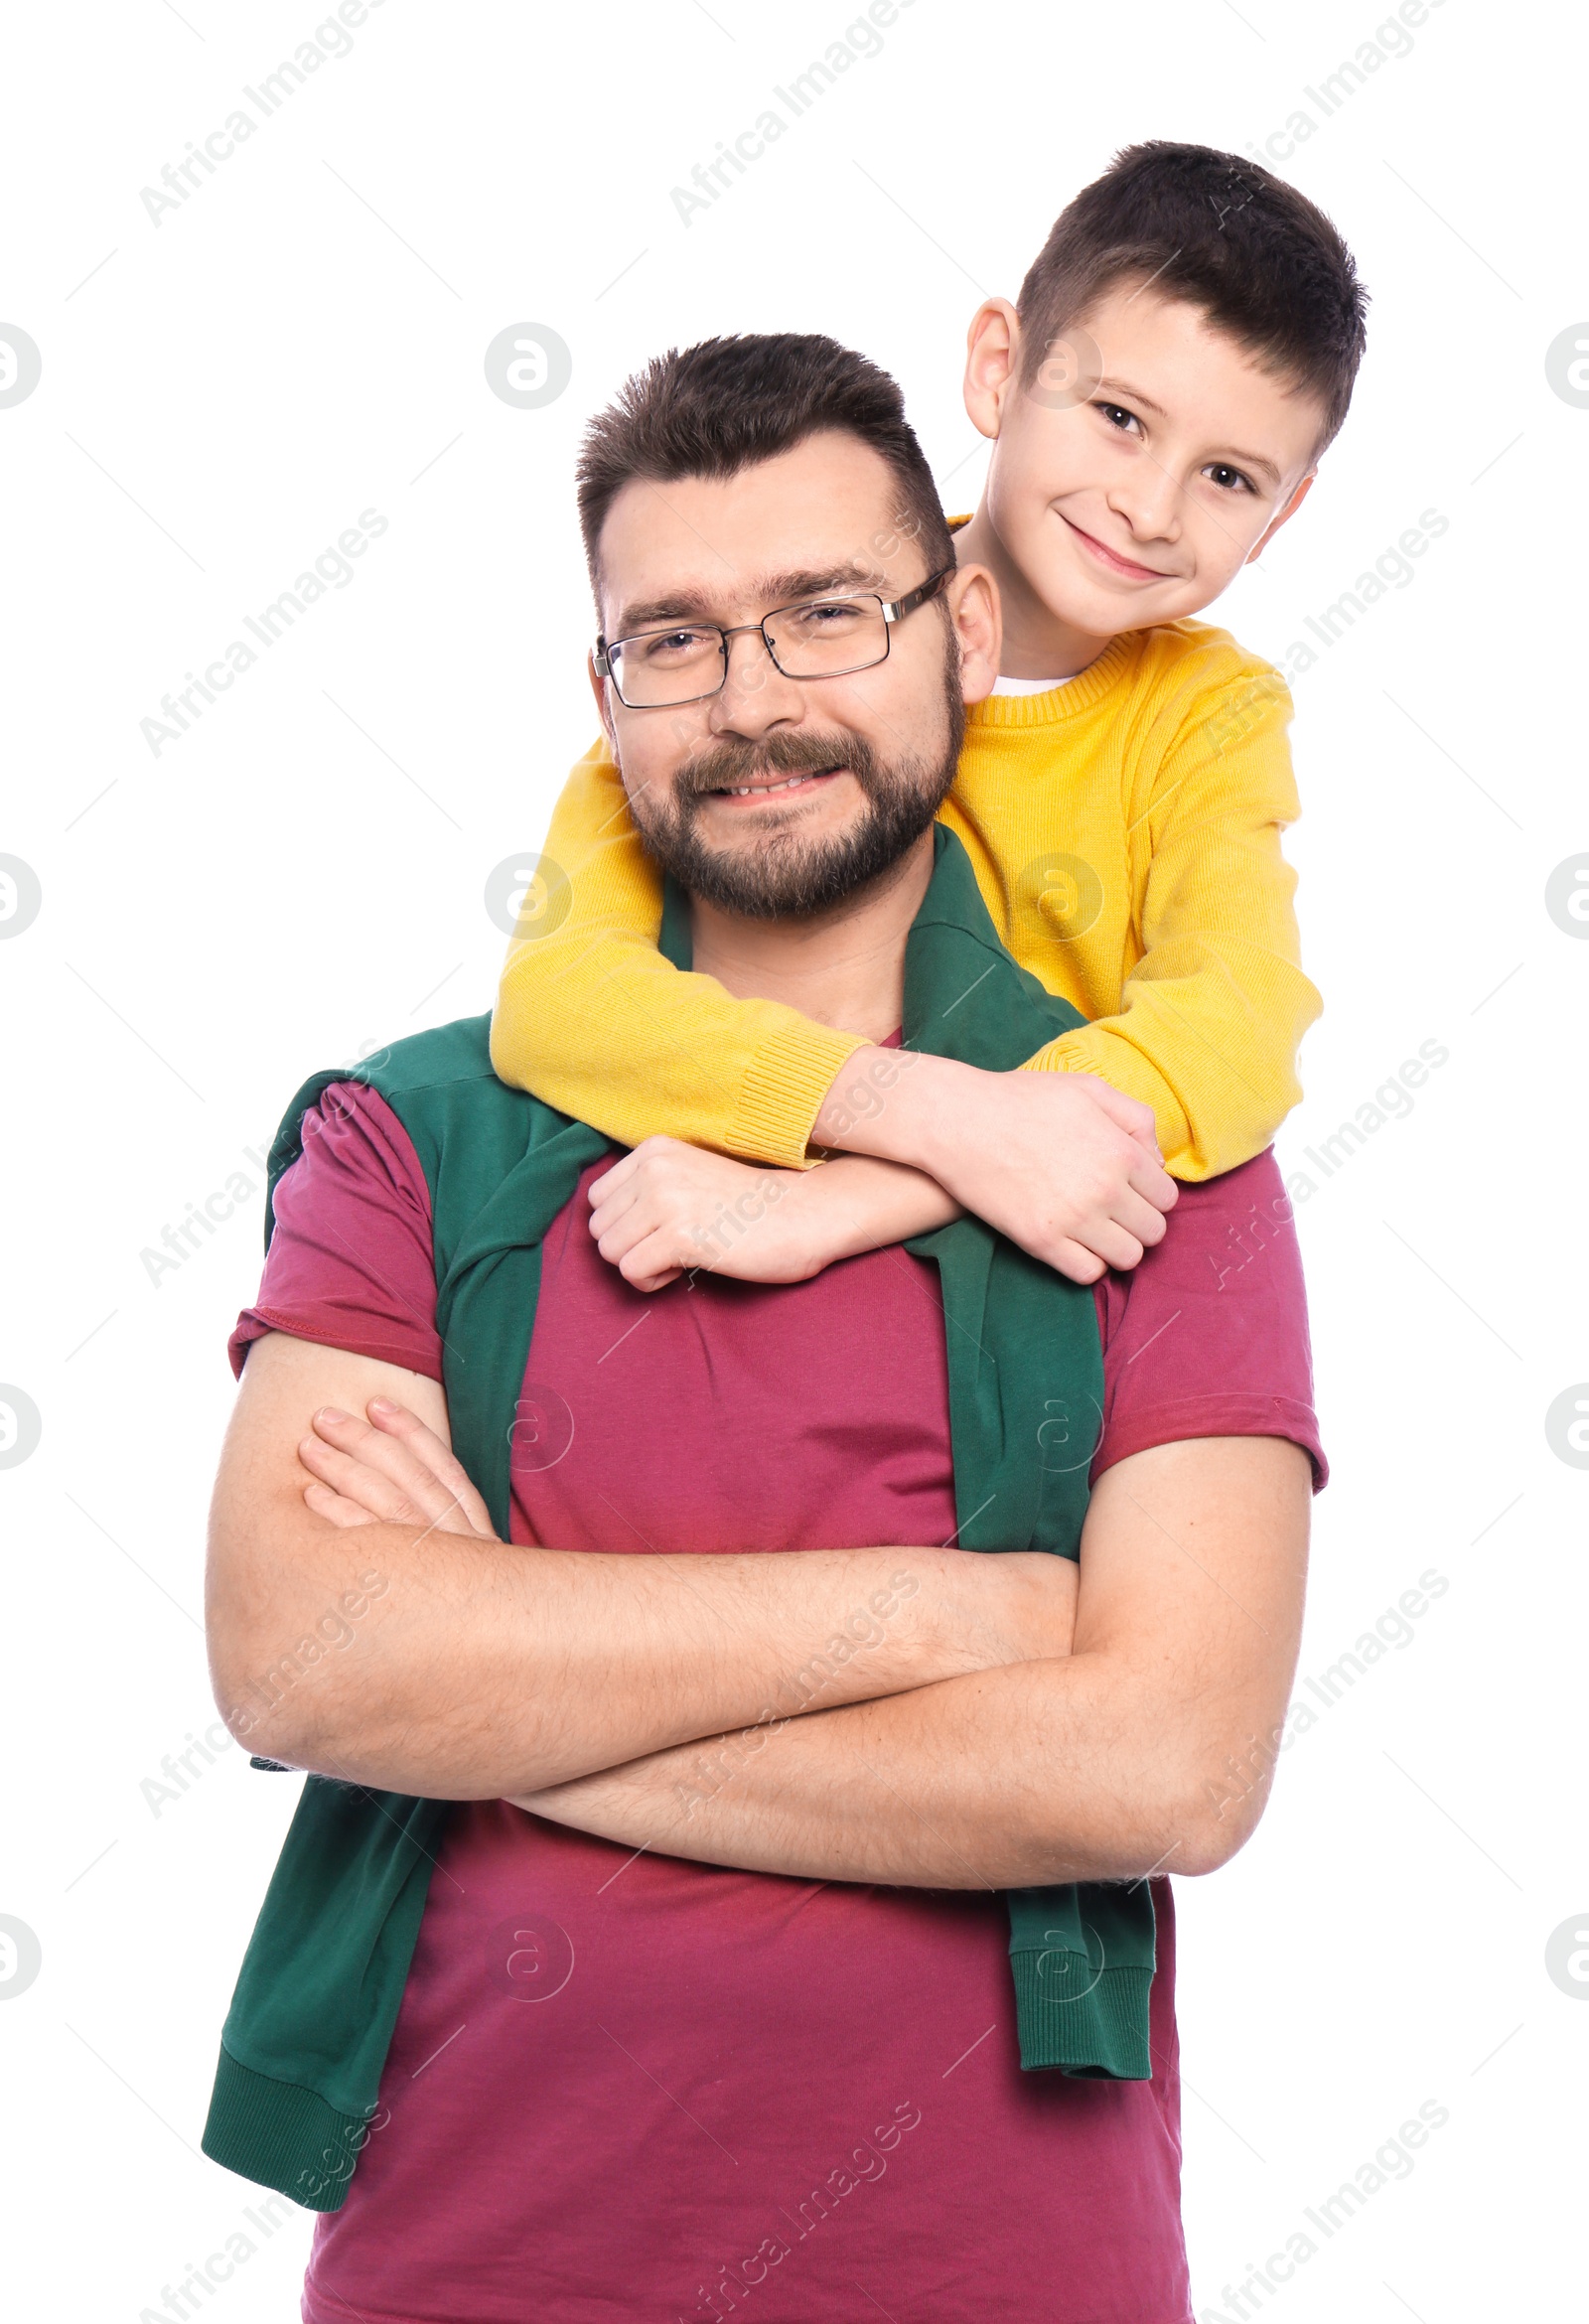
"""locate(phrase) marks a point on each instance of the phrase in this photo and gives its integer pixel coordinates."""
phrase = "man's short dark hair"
(1259, 259)
(729, 404)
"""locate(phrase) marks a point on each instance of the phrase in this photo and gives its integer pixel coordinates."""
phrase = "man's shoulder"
(441, 1089)
(439, 1058)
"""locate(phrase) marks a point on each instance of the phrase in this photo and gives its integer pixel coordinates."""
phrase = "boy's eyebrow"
(778, 589)
(1254, 460)
(1124, 387)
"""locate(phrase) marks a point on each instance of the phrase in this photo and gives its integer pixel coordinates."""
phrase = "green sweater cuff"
(282, 2135)
(1084, 2021)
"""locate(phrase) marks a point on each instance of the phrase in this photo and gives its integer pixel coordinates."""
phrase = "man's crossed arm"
(914, 1716)
(1133, 1752)
(449, 1665)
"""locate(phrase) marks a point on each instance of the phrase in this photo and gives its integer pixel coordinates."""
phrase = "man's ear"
(598, 686)
(992, 363)
(973, 597)
(1290, 509)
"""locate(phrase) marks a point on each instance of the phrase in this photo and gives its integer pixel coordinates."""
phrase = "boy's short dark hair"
(1260, 260)
(730, 402)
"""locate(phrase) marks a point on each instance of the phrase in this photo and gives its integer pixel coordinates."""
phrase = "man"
(772, 2064)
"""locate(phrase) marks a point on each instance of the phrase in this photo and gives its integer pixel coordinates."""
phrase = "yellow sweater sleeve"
(1213, 1011)
(593, 1020)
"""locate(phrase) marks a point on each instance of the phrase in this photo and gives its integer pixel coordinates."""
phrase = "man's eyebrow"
(1252, 460)
(776, 589)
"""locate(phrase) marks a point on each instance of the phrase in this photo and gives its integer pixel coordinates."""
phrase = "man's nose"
(755, 695)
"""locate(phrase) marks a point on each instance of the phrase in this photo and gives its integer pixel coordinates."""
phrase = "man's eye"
(666, 645)
(833, 614)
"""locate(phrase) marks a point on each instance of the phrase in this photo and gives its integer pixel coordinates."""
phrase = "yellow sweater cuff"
(783, 1091)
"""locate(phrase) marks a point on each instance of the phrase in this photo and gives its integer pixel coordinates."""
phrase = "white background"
(300, 878)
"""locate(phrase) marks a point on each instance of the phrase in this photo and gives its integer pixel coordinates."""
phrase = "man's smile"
(778, 787)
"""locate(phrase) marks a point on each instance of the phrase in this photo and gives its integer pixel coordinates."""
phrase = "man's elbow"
(259, 1694)
(1216, 1811)
(282, 1680)
(1187, 1812)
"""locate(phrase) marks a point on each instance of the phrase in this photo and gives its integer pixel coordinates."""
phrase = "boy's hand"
(669, 1207)
(1061, 1163)
(390, 1469)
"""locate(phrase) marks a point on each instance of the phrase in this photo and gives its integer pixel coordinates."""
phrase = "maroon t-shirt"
(630, 2085)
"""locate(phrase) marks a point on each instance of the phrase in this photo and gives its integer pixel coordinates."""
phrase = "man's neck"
(1037, 643)
(845, 967)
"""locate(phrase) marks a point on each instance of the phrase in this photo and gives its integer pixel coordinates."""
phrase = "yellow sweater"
(1125, 834)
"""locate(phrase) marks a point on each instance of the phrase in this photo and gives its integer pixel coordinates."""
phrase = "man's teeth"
(791, 783)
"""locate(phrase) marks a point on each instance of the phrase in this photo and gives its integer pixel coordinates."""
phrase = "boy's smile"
(1136, 498)
(1113, 564)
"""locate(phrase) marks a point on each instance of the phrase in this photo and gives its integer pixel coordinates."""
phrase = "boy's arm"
(1212, 1014)
(592, 1018)
(1061, 1163)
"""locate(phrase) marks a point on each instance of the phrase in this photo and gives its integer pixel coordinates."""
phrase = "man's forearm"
(1008, 1779)
(479, 1667)
(1151, 1745)
(475, 1669)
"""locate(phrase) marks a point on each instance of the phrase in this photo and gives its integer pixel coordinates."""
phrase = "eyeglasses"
(823, 637)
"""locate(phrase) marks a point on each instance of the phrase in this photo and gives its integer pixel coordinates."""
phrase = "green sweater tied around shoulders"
(317, 1999)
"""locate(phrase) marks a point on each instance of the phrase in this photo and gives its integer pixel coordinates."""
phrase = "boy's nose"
(1148, 499)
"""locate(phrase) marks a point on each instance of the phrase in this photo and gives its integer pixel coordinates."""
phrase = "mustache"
(727, 765)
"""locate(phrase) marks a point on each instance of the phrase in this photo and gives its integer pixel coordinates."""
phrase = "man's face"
(780, 796)
(1145, 462)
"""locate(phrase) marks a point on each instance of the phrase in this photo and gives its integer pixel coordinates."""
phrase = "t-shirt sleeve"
(350, 1262)
(1209, 1334)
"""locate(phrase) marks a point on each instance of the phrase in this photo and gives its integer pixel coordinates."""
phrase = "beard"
(782, 874)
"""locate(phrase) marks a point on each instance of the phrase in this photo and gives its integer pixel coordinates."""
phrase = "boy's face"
(1143, 466)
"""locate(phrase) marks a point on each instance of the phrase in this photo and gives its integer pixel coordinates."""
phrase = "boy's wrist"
(894, 1105)
(862, 1202)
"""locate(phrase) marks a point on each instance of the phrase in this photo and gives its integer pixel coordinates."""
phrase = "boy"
(1182, 350)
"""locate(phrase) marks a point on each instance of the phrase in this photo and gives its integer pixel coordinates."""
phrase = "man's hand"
(1061, 1163)
(392, 1470)
(667, 1207)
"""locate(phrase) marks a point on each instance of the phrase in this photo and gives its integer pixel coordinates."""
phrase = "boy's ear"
(973, 602)
(992, 363)
(1290, 509)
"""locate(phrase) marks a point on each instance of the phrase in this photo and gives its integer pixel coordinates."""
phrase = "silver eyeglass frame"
(893, 609)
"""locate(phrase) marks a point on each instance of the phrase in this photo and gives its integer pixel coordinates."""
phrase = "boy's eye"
(1229, 478)
(1117, 416)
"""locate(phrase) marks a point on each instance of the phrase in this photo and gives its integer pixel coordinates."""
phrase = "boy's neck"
(1037, 643)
